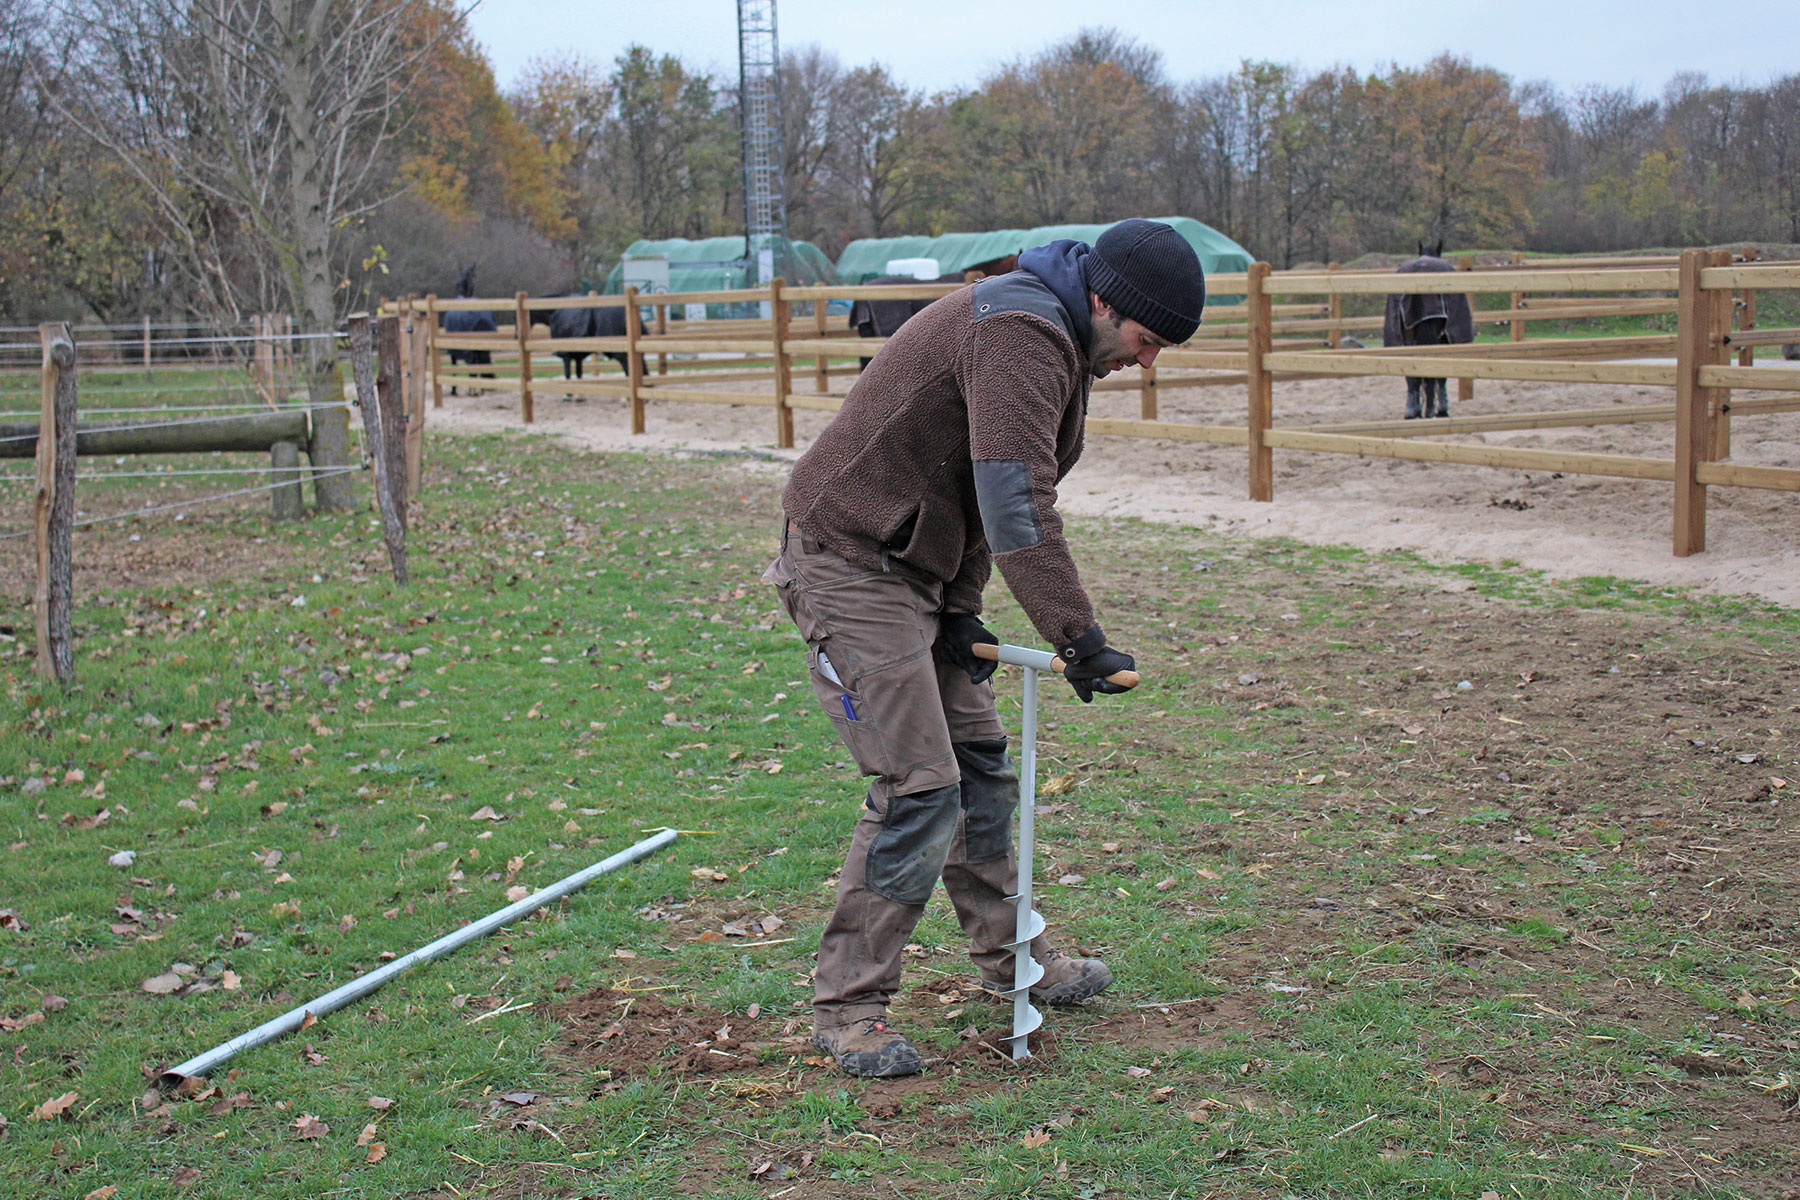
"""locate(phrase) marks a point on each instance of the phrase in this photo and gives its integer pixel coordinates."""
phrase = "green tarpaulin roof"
(867, 258)
(708, 264)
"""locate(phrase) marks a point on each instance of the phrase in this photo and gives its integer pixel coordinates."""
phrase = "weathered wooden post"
(784, 367)
(264, 326)
(1334, 309)
(431, 350)
(1147, 392)
(1465, 388)
(1257, 341)
(285, 497)
(146, 341)
(662, 329)
(634, 363)
(418, 352)
(390, 394)
(1518, 303)
(1719, 305)
(821, 364)
(522, 329)
(54, 521)
(1692, 402)
(362, 365)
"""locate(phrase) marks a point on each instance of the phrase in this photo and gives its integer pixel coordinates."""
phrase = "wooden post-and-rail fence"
(1289, 327)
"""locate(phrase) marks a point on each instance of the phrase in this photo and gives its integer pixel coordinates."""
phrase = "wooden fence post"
(522, 331)
(390, 394)
(362, 366)
(55, 506)
(417, 355)
(1465, 388)
(286, 498)
(1147, 392)
(431, 350)
(265, 358)
(784, 368)
(1257, 339)
(146, 341)
(634, 362)
(662, 329)
(1334, 309)
(1692, 432)
(821, 364)
(1719, 306)
(1518, 302)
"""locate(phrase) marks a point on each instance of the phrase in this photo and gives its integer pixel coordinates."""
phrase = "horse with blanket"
(471, 321)
(1427, 319)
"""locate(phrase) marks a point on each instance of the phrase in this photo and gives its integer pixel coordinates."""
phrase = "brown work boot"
(1067, 980)
(868, 1047)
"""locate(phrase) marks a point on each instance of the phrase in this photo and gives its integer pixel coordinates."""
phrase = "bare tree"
(258, 127)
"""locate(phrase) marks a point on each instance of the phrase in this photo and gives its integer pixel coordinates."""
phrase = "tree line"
(224, 157)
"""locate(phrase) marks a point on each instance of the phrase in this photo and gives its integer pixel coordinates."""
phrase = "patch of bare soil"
(1565, 525)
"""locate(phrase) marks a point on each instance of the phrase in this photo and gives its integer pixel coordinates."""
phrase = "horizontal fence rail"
(1271, 327)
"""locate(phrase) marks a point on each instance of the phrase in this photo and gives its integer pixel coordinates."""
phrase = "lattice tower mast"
(759, 97)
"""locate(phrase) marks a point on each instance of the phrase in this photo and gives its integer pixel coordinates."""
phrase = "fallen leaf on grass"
(14, 1024)
(103, 1193)
(520, 1098)
(162, 985)
(9, 919)
(307, 1127)
(368, 1134)
(1035, 1138)
(50, 1110)
(516, 893)
(380, 1103)
(611, 1031)
(377, 1152)
(486, 813)
(185, 1176)
(122, 859)
(1137, 1072)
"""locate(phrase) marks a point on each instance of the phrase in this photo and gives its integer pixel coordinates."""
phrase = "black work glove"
(958, 635)
(1089, 661)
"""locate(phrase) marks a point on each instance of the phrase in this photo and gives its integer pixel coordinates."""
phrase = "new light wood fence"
(1288, 326)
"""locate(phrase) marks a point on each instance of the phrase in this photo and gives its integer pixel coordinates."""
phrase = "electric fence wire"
(156, 508)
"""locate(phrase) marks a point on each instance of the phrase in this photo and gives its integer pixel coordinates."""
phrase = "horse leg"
(1412, 398)
(1440, 389)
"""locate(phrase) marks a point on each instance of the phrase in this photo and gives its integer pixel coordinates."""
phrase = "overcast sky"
(943, 44)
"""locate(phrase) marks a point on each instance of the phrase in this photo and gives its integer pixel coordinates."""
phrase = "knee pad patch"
(909, 853)
(990, 793)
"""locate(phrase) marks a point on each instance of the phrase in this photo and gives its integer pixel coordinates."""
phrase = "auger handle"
(1043, 660)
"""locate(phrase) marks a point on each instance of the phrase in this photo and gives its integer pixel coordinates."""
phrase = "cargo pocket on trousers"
(844, 706)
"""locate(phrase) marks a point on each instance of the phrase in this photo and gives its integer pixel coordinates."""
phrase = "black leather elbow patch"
(1003, 490)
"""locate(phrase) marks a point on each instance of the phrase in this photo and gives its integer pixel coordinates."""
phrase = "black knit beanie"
(1149, 273)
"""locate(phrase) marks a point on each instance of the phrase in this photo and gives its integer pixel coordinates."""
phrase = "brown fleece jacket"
(890, 483)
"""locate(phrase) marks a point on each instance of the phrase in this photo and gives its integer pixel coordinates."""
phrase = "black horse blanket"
(1407, 313)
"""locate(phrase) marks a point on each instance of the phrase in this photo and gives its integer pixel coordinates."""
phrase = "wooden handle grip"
(1128, 679)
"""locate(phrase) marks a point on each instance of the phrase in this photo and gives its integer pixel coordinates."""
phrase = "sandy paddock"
(1565, 525)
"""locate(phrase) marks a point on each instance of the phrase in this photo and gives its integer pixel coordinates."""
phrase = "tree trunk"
(330, 445)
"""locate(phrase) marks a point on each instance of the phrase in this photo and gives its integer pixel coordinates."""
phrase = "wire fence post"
(362, 367)
(418, 350)
(1692, 435)
(390, 396)
(55, 506)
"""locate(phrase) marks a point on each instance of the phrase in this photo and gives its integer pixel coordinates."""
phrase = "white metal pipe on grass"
(362, 985)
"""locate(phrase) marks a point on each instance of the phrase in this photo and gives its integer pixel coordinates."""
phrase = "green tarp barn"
(711, 264)
(867, 258)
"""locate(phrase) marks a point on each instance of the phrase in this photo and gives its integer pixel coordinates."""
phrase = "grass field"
(1419, 881)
